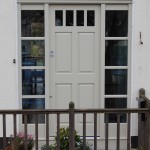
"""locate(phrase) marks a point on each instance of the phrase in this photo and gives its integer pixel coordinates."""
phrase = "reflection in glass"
(33, 53)
(58, 18)
(116, 23)
(80, 18)
(34, 103)
(32, 23)
(69, 17)
(33, 82)
(116, 103)
(116, 53)
(115, 81)
(90, 18)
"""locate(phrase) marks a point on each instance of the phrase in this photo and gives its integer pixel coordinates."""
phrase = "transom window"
(81, 15)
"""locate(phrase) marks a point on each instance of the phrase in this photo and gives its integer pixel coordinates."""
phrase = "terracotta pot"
(9, 148)
(19, 147)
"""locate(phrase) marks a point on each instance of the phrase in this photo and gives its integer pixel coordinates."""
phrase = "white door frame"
(25, 4)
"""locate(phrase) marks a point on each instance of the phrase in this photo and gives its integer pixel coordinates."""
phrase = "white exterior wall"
(140, 74)
(140, 55)
(8, 48)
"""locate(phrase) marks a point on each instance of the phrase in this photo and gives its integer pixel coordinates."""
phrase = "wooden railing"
(144, 122)
(144, 125)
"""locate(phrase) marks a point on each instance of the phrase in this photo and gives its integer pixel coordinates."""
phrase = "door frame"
(44, 5)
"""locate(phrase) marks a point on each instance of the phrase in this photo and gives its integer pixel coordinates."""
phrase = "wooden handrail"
(72, 112)
(145, 99)
(66, 111)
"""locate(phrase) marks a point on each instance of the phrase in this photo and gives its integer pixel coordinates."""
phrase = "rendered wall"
(140, 53)
(8, 48)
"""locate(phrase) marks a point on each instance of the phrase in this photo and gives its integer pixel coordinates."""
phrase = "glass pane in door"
(58, 18)
(69, 17)
(90, 18)
(80, 17)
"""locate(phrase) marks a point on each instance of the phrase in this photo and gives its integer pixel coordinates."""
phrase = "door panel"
(63, 52)
(86, 47)
(75, 65)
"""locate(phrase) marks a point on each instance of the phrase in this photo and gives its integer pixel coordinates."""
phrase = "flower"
(19, 141)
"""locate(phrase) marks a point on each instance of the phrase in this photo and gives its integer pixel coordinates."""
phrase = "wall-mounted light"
(141, 42)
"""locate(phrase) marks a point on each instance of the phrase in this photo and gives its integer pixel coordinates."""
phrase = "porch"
(143, 114)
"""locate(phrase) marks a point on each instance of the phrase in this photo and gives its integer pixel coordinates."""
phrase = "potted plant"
(18, 143)
(64, 141)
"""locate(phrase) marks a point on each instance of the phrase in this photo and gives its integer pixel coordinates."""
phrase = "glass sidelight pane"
(33, 53)
(80, 18)
(58, 18)
(116, 53)
(115, 81)
(116, 23)
(32, 23)
(116, 103)
(90, 18)
(69, 17)
(33, 82)
(34, 103)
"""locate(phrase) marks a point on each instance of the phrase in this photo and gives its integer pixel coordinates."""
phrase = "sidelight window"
(116, 61)
(33, 62)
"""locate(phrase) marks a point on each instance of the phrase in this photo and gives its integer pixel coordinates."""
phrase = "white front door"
(75, 60)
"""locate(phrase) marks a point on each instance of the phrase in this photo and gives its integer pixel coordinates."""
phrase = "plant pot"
(20, 147)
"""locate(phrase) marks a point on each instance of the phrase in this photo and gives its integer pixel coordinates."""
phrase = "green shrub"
(64, 141)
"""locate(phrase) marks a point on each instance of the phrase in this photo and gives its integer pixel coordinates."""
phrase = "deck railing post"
(25, 130)
(4, 131)
(144, 122)
(141, 118)
(71, 127)
(148, 127)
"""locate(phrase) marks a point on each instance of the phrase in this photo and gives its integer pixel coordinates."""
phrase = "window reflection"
(90, 18)
(115, 81)
(116, 23)
(58, 18)
(34, 103)
(116, 103)
(80, 18)
(33, 53)
(32, 23)
(116, 53)
(33, 82)
(69, 17)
